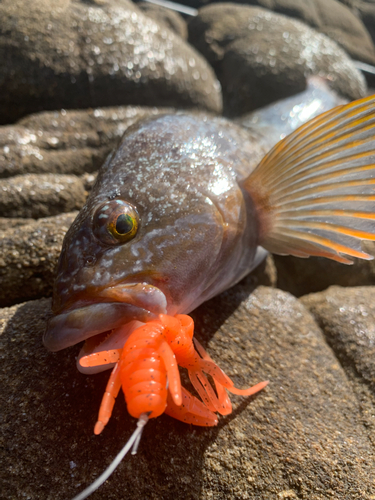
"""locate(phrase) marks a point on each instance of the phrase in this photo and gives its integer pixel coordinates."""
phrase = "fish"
(179, 213)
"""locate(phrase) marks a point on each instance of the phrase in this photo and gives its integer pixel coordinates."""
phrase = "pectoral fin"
(315, 190)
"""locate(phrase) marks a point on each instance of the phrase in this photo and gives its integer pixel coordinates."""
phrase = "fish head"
(142, 245)
(156, 234)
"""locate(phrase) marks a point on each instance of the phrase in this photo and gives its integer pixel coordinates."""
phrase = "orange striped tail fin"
(315, 190)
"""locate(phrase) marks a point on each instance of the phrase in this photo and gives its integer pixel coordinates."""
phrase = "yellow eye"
(115, 222)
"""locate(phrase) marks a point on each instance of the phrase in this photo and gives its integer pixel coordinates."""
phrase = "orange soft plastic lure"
(147, 370)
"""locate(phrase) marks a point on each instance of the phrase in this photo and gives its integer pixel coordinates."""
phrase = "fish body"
(179, 211)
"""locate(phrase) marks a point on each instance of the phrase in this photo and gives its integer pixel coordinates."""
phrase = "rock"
(28, 258)
(302, 276)
(260, 57)
(89, 180)
(12, 222)
(66, 142)
(79, 54)
(347, 318)
(339, 23)
(330, 17)
(167, 17)
(264, 274)
(350, 23)
(365, 9)
(302, 437)
(36, 196)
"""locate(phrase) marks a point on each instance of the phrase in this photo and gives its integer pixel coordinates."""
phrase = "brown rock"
(66, 142)
(367, 14)
(12, 222)
(167, 17)
(344, 21)
(28, 258)
(36, 196)
(347, 318)
(340, 23)
(260, 57)
(300, 438)
(78, 54)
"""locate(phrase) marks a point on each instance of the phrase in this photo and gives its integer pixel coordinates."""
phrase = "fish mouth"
(109, 309)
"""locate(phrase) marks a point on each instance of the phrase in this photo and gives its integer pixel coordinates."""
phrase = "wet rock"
(167, 17)
(347, 318)
(28, 258)
(260, 57)
(302, 437)
(66, 142)
(78, 54)
(330, 17)
(36, 196)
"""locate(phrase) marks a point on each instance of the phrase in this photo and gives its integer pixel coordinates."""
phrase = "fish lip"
(110, 308)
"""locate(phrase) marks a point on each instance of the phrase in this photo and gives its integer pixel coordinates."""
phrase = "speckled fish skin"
(181, 173)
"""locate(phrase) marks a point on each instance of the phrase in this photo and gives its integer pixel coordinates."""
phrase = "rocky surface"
(66, 142)
(79, 54)
(302, 437)
(169, 18)
(28, 258)
(339, 22)
(365, 9)
(270, 54)
(38, 196)
(347, 318)
(310, 433)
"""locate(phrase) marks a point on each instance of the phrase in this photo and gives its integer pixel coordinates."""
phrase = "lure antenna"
(132, 444)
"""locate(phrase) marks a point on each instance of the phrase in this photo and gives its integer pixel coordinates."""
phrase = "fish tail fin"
(314, 192)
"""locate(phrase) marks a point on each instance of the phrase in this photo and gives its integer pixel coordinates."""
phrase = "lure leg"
(108, 401)
(191, 411)
(221, 380)
(173, 374)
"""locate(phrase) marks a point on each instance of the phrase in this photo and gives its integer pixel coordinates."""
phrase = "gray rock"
(66, 142)
(28, 258)
(302, 437)
(78, 54)
(36, 196)
(260, 57)
(167, 17)
(347, 318)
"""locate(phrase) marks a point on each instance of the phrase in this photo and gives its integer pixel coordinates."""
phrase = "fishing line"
(131, 444)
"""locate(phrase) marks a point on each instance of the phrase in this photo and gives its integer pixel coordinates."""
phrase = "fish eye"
(115, 221)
